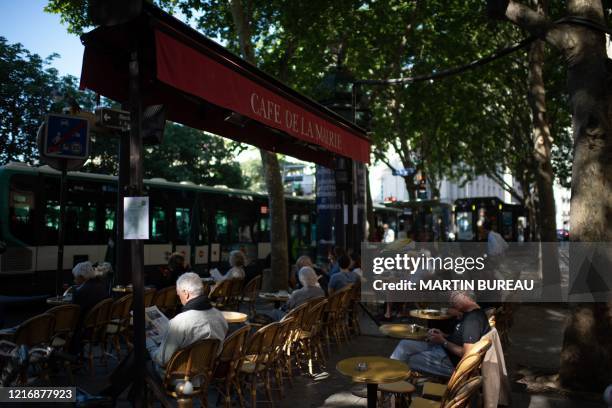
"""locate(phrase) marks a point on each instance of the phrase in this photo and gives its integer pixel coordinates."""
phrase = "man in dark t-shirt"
(441, 352)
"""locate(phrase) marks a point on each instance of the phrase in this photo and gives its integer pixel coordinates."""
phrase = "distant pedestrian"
(388, 234)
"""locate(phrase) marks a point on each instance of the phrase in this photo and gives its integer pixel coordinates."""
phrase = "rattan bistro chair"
(194, 363)
(258, 360)
(226, 294)
(166, 300)
(225, 376)
(467, 367)
(94, 331)
(119, 322)
(309, 338)
(460, 399)
(66, 320)
(250, 294)
(149, 293)
(36, 331)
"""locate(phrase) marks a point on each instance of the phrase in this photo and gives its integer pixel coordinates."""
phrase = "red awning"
(205, 86)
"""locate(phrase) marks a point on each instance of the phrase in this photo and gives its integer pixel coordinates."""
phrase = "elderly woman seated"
(237, 261)
(310, 289)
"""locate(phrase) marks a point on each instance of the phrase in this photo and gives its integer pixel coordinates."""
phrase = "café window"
(158, 224)
(183, 221)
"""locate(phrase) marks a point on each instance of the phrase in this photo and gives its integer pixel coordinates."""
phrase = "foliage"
(26, 85)
(188, 154)
(458, 127)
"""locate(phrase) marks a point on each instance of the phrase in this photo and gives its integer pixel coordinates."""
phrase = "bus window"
(264, 229)
(244, 229)
(80, 223)
(203, 232)
(221, 227)
(183, 222)
(464, 225)
(158, 225)
(109, 220)
(21, 214)
(51, 216)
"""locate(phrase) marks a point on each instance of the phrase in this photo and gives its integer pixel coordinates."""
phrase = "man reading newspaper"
(198, 320)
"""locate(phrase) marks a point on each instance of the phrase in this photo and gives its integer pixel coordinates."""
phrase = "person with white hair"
(237, 261)
(310, 289)
(303, 261)
(198, 320)
(441, 353)
(90, 288)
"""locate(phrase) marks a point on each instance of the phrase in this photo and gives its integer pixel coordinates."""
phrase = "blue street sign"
(67, 137)
(407, 172)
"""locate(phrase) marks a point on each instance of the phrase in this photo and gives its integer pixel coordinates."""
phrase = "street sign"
(66, 137)
(113, 119)
(407, 172)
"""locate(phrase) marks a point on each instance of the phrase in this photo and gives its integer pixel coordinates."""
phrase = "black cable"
(482, 61)
(452, 71)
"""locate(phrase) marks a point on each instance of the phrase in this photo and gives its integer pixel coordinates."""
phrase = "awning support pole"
(136, 246)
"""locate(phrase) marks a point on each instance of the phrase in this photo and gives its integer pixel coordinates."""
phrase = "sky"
(25, 22)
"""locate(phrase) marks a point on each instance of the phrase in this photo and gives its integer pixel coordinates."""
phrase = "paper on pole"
(136, 218)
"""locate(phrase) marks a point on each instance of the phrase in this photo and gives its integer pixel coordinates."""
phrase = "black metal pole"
(136, 253)
(122, 265)
(60, 230)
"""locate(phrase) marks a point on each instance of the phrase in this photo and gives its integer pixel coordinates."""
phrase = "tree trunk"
(586, 360)
(278, 223)
(369, 210)
(274, 183)
(410, 187)
(542, 146)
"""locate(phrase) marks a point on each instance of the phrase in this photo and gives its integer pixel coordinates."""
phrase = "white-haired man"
(441, 353)
(90, 288)
(198, 320)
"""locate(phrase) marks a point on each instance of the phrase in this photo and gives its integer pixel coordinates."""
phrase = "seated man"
(198, 321)
(441, 353)
(343, 278)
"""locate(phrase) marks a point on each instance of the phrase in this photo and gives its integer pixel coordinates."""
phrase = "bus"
(424, 221)
(203, 223)
(509, 220)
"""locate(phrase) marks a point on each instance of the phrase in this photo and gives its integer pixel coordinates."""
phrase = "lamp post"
(339, 91)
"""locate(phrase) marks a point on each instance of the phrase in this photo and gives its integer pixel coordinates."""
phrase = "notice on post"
(136, 218)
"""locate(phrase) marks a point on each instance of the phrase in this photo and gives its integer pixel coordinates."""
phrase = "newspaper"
(156, 324)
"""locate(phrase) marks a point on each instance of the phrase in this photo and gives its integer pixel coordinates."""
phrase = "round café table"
(404, 331)
(430, 314)
(274, 298)
(380, 370)
(234, 317)
(123, 289)
(59, 300)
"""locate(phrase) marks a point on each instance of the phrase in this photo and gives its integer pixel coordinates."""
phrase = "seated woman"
(310, 289)
(177, 265)
(90, 289)
(237, 261)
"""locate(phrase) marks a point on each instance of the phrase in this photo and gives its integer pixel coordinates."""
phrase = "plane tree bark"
(272, 175)
(586, 360)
